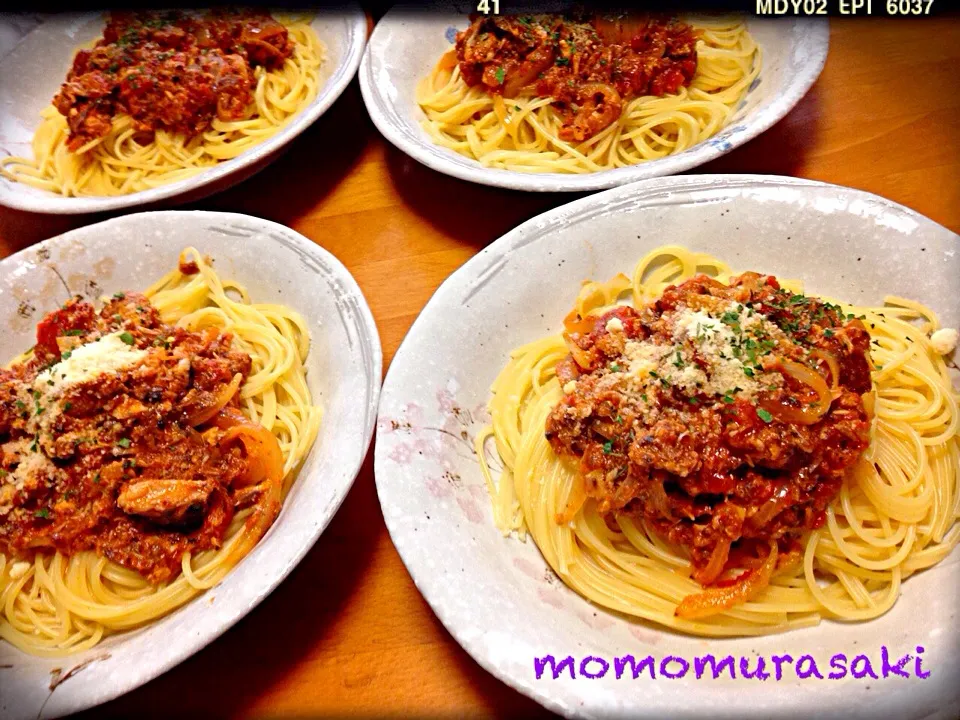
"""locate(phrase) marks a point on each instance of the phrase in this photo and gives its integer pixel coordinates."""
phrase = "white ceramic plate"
(32, 72)
(406, 45)
(497, 595)
(343, 373)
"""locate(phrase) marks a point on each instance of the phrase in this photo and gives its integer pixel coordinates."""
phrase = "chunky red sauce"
(723, 415)
(169, 70)
(129, 463)
(588, 65)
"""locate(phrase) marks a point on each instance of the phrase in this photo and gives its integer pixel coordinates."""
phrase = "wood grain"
(348, 632)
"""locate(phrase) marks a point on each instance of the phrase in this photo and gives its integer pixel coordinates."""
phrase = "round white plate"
(406, 45)
(497, 595)
(343, 372)
(32, 72)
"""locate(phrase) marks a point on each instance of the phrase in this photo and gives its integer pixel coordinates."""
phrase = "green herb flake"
(608, 447)
(124, 442)
(119, 296)
(764, 415)
(500, 74)
(127, 338)
(42, 513)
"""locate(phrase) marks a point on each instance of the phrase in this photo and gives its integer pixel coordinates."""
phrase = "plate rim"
(51, 204)
(368, 334)
(431, 588)
(445, 161)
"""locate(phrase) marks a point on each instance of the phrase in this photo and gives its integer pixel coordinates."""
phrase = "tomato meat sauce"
(590, 65)
(724, 416)
(113, 438)
(170, 70)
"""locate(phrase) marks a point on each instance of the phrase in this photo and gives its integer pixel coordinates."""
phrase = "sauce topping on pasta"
(170, 70)
(589, 66)
(726, 416)
(123, 435)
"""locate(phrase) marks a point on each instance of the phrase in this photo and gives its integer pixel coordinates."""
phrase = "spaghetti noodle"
(893, 513)
(126, 159)
(527, 132)
(55, 603)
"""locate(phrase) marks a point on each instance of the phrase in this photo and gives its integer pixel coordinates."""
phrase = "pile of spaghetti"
(144, 450)
(727, 456)
(163, 95)
(579, 94)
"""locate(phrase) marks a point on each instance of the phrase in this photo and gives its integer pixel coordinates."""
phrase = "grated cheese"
(86, 363)
(703, 336)
(614, 325)
(944, 341)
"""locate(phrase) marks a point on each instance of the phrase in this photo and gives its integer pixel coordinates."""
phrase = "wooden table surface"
(347, 632)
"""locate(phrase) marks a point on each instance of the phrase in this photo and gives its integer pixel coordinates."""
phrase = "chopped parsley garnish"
(127, 338)
(764, 415)
(618, 419)
(42, 513)
(615, 367)
(119, 295)
(65, 355)
(67, 406)
(728, 397)
(563, 61)
(124, 442)
(500, 74)
(679, 361)
(20, 405)
(608, 447)
(75, 331)
(692, 400)
(96, 479)
(748, 371)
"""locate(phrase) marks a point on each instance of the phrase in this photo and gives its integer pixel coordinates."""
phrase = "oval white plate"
(32, 72)
(343, 373)
(496, 595)
(406, 45)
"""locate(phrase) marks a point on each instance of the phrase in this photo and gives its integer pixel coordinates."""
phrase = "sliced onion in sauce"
(807, 414)
(576, 323)
(580, 356)
(264, 457)
(831, 362)
(718, 559)
(716, 600)
(448, 61)
(772, 507)
(214, 403)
